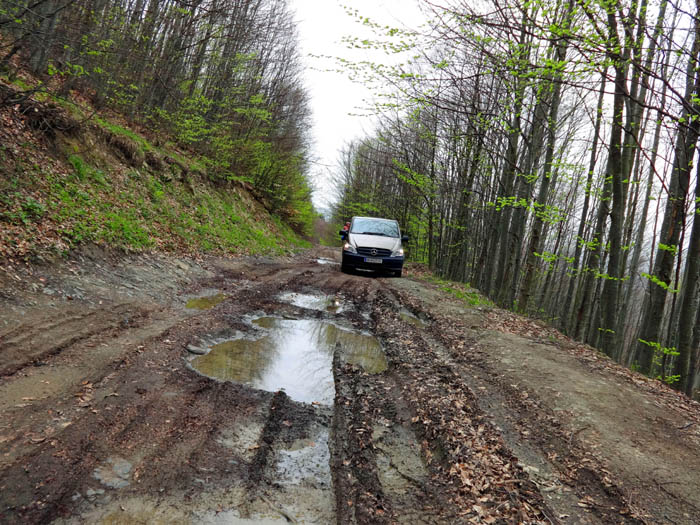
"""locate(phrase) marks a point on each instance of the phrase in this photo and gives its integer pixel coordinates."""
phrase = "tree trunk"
(575, 271)
(543, 195)
(609, 296)
(689, 305)
(668, 248)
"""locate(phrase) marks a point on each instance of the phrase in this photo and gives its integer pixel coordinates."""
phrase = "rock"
(531, 470)
(196, 350)
(91, 493)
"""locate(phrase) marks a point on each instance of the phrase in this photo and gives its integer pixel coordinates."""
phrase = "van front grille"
(373, 252)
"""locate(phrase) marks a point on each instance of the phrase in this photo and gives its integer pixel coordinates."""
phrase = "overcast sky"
(334, 97)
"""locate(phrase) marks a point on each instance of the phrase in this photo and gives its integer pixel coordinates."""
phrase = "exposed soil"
(479, 417)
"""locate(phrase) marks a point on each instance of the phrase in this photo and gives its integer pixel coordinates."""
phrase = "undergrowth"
(461, 291)
(65, 205)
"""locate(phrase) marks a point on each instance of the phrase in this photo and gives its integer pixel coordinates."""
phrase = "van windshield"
(382, 227)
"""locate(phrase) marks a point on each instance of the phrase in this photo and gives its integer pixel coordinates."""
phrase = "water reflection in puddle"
(325, 261)
(323, 303)
(205, 303)
(294, 355)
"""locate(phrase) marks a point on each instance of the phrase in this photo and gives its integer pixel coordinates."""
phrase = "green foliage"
(670, 380)
(654, 279)
(78, 166)
(673, 250)
(144, 144)
(148, 214)
(239, 113)
(139, 211)
(32, 208)
(189, 122)
(608, 277)
(124, 228)
(21, 209)
(68, 70)
(155, 189)
(279, 175)
(511, 201)
(461, 291)
(423, 183)
(83, 171)
(661, 356)
(662, 350)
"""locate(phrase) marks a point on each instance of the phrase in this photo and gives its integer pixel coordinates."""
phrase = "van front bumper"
(353, 260)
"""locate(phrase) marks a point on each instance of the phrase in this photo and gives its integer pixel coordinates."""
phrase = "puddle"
(114, 474)
(323, 303)
(232, 517)
(306, 461)
(409, 317)
(205, 303)
(293, 355)
(325, 261)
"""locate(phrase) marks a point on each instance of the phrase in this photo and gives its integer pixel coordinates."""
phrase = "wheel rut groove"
(39, 343)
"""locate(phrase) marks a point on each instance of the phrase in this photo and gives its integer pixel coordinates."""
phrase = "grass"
(21, 209)
(87, 196)
(461, 291)
(194, 163)
(142, 212)
(143, 144)
(139, 212)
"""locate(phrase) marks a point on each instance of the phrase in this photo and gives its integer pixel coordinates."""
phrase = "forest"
(542, 151)
(545, 152)
(174, 349)
(221, 77)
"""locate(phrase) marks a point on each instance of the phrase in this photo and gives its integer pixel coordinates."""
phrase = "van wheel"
(344, 268)
(397, 273)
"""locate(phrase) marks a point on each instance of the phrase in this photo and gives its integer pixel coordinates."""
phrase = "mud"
(320, 397)
(206, 302)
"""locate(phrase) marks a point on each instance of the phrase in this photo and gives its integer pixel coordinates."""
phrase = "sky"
(334, 98)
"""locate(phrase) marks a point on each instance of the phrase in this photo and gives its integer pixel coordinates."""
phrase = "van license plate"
(371, 260)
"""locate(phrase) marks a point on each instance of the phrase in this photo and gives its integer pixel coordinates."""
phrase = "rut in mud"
(157, 390)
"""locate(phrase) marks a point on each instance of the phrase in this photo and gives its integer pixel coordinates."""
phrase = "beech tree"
(550, 127)
(222, 76)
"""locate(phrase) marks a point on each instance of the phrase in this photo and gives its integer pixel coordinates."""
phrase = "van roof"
(374, 218)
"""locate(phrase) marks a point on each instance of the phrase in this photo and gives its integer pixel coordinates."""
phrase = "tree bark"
(689, 306)
(668, 248)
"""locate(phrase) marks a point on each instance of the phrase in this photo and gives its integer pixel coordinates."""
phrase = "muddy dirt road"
(160, 390)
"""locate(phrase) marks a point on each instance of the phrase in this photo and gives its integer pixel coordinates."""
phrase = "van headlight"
(347, 247)
(397, 253)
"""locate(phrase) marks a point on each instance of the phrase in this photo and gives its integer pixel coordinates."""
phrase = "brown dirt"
(481, 417)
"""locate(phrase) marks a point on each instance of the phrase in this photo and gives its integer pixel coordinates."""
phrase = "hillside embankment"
(71, 176)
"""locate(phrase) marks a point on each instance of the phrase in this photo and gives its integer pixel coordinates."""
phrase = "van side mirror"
(404, 238)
